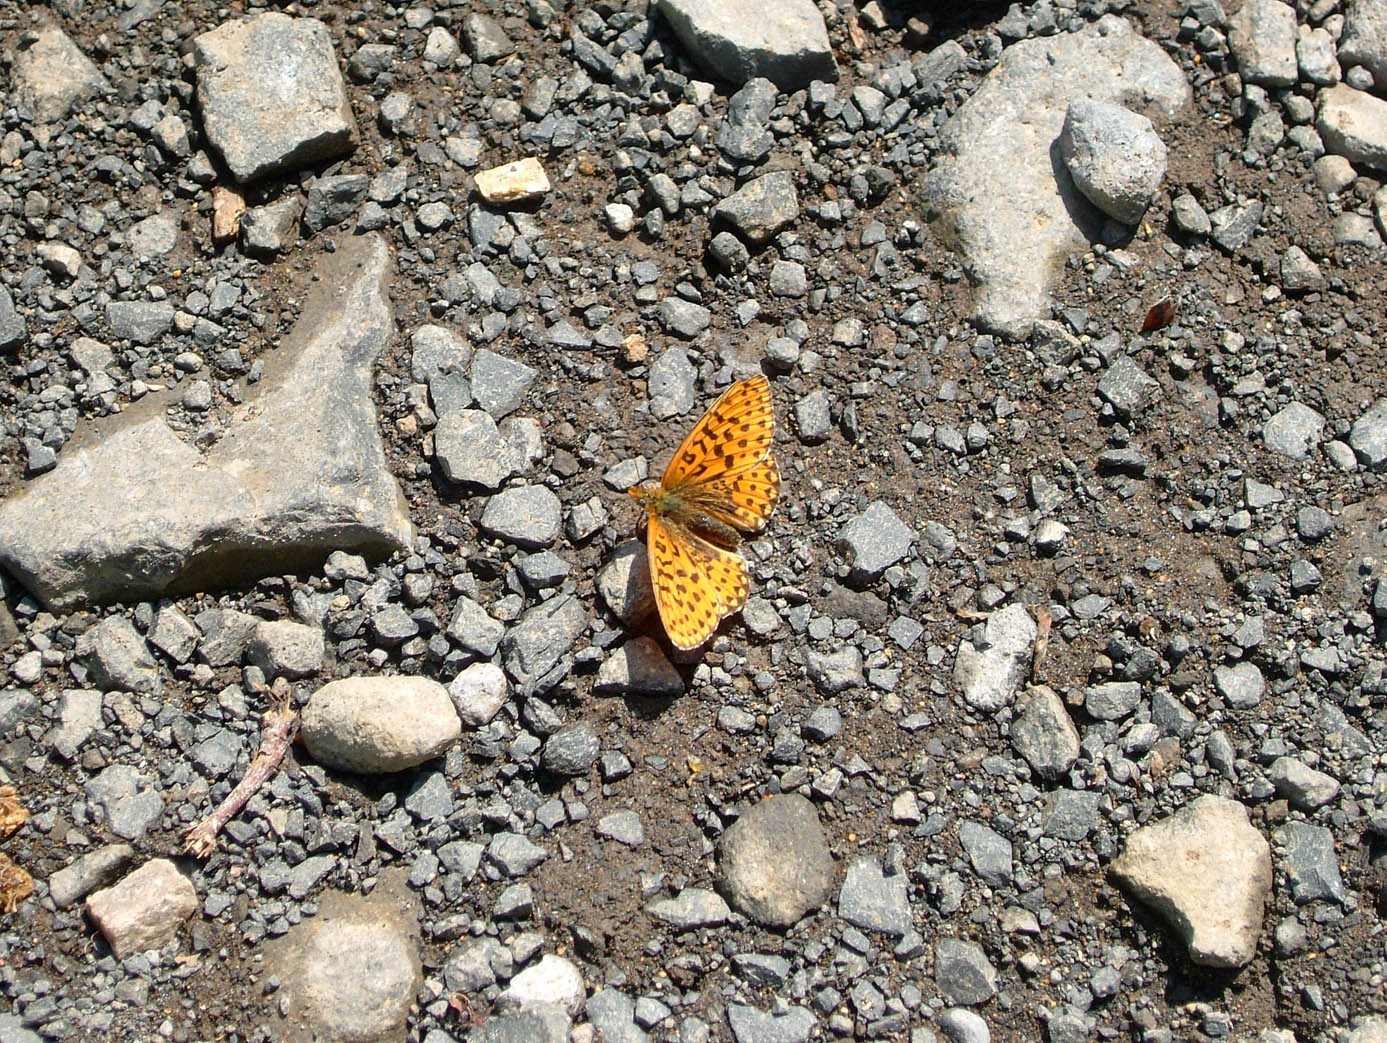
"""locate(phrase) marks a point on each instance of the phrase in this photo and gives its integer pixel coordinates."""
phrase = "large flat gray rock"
(1000, 198)
(271, 94)
(51, 75)
(783, 40)
(132, 511)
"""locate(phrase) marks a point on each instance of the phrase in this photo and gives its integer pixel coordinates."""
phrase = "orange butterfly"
(721, 482)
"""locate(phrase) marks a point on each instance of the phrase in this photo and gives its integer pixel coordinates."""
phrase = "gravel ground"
(1059, 706)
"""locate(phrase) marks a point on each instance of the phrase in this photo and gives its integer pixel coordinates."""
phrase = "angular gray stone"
(750, 1025)
(1262, 36)
(117, 656)
(145, 910)
(470, 450)
(143, 322)
(873, 541)
(500, 383)
(963, 973)
(1112, 700)
(138, 512)
(79, 714)
(639, 667)
(994, 195)
(331, 200)
(1364, 39)
(785, 41)
(671, 382)
(377, 725)
(13, 329)
(1127, 387)
(1241, 684)
(988, 851)
(613, 1013)
(486, 40)
(528, 516)
(774, 863)
(873, 900)
(51, 75)
(760, 208)
(1307, 852)
(683, 318)
(1368, 436)
(127, 801)
(1207, 871)
(284, 648)
(84, 875)
(1353, 124)
(537, 648)
(1305, 788)
(1044, 734)
(478, 693)
(305, 118)
(571, 750)
(1114, 155)
(991, 672)
(691, 908)
(1293, 431)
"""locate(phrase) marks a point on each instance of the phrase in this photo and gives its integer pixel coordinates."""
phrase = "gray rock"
(86, 874)
(79, 714)
(271, 228)
(376, 725)
(470, 450)
(146, 910)
(117, 656)
(1207, 871)
(1315, 54)
(1044, 734)
(572, 750)
(963, 973)
(536, 649)
(961, 1025)
(478, 693)
(624, 583)
(51, 76)
(1294, 431)
(760, 208)
(773, 862)
(671, 381)
(1074, 814)
(500, 384)
(298, 472)
(331, 200)
(283, 648)
(528, 516)
(474, 629)
(785, 41)
(762, 969)
(614, 1015)
(622, 826)
(993, 194)
(813, 421)
(1113, 700)
(991, 671)
(873, 900)
(692, 908)
(1364, 39)
(1368, 436)
(1114, 155)
(351, 971)
(1353, 124)
(750, 1025)
(1306, 788)
(143, 322)
(1308, 856)
(836, 671)
(1190, 217)
(1241, 684)
(1262, 35)
(486, 40)
(1127, 387)
(873, 541)
(305, 119)
(13, 329)
(683, 318)
(988, 851)
(1299, 274)
(225, 635)
(127, 801)
(639, 667)
(513, 855)
(155, 236)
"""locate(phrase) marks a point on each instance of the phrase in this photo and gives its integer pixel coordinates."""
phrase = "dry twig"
(277, 730)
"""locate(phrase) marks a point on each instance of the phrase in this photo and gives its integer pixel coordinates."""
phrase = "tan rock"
(145, 910)
(519, 182)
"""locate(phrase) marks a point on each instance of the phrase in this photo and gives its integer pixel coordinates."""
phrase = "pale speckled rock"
(774, 862)
(134, 511)
(374, 725)
(785, 41)
(991, 672)
(1353, 124)
(1207, 871)
(145, 910)
(522, 181)
(271, 95)
(51, 75)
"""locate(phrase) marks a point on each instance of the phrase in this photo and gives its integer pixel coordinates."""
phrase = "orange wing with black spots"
(697, 585)
(721, 481)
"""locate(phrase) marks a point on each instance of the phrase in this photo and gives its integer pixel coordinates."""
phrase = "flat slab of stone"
(1207, 871)
(132, 511)
(784, 41)
(997, 197)
(271, 94)
(51, 75)
(1353, 124)
(145, 910)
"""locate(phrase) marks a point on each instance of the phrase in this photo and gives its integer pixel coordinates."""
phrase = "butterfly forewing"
(734, 434)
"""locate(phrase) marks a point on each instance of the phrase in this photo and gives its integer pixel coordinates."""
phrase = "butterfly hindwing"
(696, 584)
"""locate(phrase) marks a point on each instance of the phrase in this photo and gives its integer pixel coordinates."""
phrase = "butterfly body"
(721, 482)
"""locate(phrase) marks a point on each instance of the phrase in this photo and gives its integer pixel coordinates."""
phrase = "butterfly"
(722, 482)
